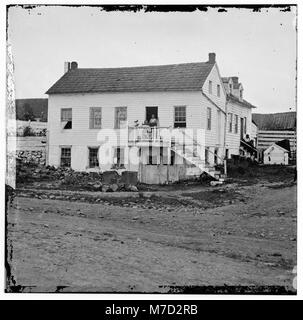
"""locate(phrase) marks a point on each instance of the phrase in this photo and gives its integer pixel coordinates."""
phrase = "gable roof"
(243, 102)
(275, 144)
(275, 121)
(285, 144)
(173, 77)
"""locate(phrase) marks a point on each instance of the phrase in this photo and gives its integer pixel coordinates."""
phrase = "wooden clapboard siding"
(267, 138)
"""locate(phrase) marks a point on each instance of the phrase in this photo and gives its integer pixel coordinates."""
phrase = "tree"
(28, 112)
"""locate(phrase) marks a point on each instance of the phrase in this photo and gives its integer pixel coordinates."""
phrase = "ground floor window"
(216, 156)
(93, 157)
(65, 160)
(119, 158)
(206, 156)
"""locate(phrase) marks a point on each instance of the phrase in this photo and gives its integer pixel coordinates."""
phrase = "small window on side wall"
(208, 118)
(210, 87)
(218, 90)
(66, 118)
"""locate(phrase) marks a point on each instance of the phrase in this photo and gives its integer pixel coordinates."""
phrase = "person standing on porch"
(153, 122)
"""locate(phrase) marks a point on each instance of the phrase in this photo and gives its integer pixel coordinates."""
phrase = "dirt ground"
(234, 235)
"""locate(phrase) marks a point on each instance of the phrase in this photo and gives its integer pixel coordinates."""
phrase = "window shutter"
(91, 118)
(121, 155)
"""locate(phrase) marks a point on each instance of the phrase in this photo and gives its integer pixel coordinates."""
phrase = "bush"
(27, 131)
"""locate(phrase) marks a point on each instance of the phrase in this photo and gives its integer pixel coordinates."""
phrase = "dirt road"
(148, 244)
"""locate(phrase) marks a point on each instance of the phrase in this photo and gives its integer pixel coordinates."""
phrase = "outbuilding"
(276, 154)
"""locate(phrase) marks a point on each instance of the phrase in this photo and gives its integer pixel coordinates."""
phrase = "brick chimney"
(211, 57)
(73, 65)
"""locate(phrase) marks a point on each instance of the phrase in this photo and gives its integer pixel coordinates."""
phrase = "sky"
(258, 47)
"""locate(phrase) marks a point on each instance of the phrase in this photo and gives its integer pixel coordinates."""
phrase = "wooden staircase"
(195, 159)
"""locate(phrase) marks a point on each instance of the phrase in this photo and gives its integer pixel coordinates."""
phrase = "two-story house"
(239, 123)
(164, 121)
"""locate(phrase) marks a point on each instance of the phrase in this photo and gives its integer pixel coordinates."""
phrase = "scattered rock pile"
(30, 156)
(66, 178)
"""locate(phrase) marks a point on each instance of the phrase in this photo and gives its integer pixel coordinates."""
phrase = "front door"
(241, 128)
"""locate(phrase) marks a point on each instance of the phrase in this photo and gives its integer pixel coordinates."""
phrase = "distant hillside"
(31, 108)
(275, 121)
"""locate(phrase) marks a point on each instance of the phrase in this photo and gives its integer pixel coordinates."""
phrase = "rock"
(135, 218)
(97, 186)
(293, 239)
(133, 189)
(105, 188)
(114, 187)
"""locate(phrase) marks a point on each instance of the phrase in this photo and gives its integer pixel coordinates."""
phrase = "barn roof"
(173, 77)
(275, 121)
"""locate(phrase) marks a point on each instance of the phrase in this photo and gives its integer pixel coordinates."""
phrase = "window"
(245, 123)
(218, 90)
(230, 122)
(241, 93)
(119, 158)
(206, 156)
(180, 117)
(120, 117)
(230, 88)
(236, 123)
(95, 118)
(93, 157)
(66, 118)
(208, 118)
(65, 160)
(210, 87)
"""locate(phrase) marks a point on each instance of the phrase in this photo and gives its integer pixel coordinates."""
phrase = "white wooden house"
(276, 154)
(239, 119)
(96, 120)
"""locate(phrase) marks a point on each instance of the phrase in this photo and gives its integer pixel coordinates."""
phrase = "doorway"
(151, 111)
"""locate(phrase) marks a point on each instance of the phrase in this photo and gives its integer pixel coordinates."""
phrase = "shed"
(276, 154)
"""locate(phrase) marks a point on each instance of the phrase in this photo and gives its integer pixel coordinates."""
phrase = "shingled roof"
(275, 121)
(243, 102)
(173, 77)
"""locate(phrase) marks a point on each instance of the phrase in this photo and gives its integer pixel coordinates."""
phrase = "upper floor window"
(66, 118)
(210, 87)
(180, 117)
(208, 118)
(241, 93)
(245, 125)
(120, 117)
(95, 118)
(230, 122)
(230, 88)
(218, 90)
(236, 123)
